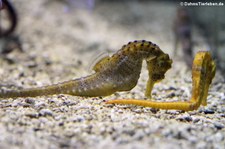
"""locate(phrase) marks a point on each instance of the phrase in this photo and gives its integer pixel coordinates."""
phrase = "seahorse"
(120, 72)
(203, 71)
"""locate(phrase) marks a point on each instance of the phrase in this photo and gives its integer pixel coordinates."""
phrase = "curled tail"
(203, 71)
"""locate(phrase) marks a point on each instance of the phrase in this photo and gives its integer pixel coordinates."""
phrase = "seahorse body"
(120, 72)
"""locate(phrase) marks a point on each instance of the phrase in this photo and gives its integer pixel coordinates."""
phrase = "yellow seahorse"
(203, 71)
(120, 72)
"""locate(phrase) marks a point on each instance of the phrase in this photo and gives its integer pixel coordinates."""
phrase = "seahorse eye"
(158, 64)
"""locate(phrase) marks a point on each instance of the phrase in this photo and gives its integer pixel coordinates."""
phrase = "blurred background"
(95, 26)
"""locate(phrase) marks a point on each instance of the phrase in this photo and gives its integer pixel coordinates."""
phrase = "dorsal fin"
(100, 60)
(100, 63)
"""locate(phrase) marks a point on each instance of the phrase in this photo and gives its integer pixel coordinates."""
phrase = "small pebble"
(30, 100)
(195, 120)
(40, 104)
(78, 118)
(218, 125)
(209, 111)
(137, 110)
(45, 112)
(187, 118)
(32, 115)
